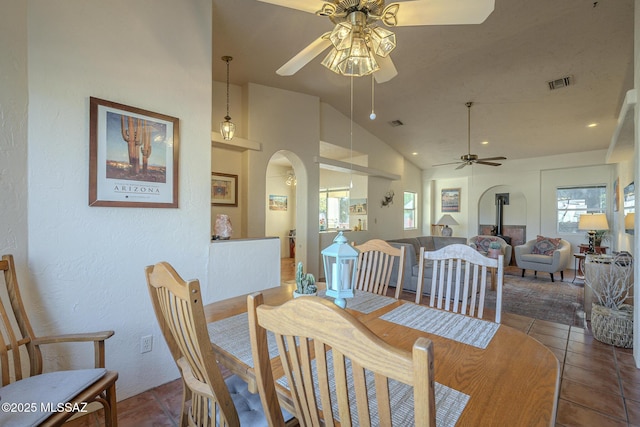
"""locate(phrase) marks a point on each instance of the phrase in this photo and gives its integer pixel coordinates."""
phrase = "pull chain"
(372, 116)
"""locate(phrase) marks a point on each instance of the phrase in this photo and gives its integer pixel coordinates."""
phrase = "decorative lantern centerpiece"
(340, 261)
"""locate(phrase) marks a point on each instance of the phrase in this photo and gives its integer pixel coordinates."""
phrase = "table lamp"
(591, 223)
(446, 220)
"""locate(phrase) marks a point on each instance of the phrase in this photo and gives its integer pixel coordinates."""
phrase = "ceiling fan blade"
(387, 70)
(305, 56)
(311, 6)
(481, 162)
(492, 158)
(462, 165)
(443, 12)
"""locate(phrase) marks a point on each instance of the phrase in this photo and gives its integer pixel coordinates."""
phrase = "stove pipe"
(501, 200)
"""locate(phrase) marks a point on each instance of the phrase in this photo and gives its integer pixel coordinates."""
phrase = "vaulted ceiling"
(502, 65)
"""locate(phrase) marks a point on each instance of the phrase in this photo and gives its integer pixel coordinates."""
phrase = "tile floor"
(600, 385)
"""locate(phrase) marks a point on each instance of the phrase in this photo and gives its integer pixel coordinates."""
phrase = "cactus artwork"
(146, 145)
(305, 283)
(130, 128)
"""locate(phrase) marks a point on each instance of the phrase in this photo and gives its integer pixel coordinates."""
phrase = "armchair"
(24, 383)
(481, 244)
(551, 260)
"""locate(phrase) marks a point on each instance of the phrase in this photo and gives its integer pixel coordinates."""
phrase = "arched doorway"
(285, 211)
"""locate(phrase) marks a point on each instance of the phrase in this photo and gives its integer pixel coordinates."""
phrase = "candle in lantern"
(334, 276)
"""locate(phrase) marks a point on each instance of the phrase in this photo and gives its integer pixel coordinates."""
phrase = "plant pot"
(613, 327)
(494, 253)
(297, 295)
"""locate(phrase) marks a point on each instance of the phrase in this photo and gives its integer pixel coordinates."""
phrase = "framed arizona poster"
(133, 156)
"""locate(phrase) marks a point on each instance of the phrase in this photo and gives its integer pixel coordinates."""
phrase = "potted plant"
(610, 279)
(495, 249)
(305, 283)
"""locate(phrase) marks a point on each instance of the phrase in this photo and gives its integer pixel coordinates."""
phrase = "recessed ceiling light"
(414, 154)
(592, 125)
(485, 142)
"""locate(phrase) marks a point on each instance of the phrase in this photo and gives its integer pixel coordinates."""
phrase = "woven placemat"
(464, 329)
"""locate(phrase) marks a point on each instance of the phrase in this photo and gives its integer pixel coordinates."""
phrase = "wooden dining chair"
(337, 370)
(459, 279)
(37, 394)
(375, 266)
(214, 400)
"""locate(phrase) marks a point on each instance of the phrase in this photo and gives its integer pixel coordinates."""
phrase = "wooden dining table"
(511, 379)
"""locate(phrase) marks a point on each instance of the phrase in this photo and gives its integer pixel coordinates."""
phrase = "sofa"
(413, 245)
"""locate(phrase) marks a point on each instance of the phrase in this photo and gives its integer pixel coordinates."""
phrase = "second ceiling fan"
(469, 159)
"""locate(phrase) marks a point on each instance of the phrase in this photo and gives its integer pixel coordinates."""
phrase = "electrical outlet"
(146, 344)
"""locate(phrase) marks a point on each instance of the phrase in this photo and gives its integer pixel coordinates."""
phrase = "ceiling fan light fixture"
(341, 36)
(360, 60)
(383, 41)
(334, 58)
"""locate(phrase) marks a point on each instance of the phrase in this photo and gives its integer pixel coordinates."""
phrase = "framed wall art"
(133, 156)
(224, 189)
(277, 203)
(450, 199)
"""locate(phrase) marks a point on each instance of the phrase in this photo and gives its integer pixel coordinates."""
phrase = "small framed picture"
(224, 189)
(450, 200)
(277, 203)
(133, 156)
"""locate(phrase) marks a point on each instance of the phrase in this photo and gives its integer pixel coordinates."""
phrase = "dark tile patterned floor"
(600, 385)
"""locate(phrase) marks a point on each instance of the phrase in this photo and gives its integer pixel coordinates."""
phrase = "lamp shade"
(630, 221)
(447, 220)
(596, 221)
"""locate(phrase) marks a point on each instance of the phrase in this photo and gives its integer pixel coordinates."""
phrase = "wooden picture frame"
(133, 156)
(224, 189)
(450, 200)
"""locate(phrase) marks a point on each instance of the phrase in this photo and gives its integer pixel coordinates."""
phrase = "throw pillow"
(482, 243)
(545, 245)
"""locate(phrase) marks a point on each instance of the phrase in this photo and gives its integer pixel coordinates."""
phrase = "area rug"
(540, 298)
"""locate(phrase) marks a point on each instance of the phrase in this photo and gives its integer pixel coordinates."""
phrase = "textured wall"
(87, 263)
(13, 132)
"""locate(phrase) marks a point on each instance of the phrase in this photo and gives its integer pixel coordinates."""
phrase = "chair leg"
(523, 272)
(551, 274)
(561, 276)
(535, 273)
(111, 413)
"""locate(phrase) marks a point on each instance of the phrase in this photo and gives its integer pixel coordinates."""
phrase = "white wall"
(13, 134)
(87, 263)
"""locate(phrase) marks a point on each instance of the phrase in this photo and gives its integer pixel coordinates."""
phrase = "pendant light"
(227, 128)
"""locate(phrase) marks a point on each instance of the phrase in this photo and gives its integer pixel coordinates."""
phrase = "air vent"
(396, 123)
(560, 83)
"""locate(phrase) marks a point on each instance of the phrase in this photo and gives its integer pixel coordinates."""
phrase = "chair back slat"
(180, 313)
(338, 378)
(18, 356)
(459, 279)
(375, 266)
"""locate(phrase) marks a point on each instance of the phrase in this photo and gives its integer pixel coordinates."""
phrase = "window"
(410, 210)
(574, 201)
(334, 209)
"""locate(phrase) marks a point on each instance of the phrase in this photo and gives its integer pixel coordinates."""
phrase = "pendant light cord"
(227, 59)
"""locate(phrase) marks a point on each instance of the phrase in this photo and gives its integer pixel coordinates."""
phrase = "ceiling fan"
(360, 45)
(469, 159)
